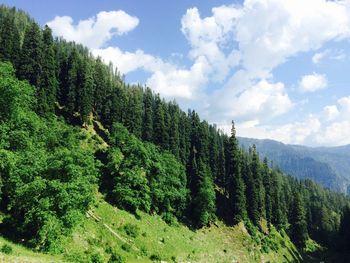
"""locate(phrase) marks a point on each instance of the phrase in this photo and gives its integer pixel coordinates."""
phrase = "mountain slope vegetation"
(76, 140)
(328, 166)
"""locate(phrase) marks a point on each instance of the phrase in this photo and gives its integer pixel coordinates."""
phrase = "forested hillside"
(57, 101)
(328, 166)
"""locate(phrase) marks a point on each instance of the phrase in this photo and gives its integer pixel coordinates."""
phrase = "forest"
(157, 159)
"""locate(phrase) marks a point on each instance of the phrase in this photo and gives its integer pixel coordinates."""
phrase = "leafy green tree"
(15, 96)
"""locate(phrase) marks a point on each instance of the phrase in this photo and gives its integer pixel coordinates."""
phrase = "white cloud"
(94, 32)
(330, 54)
(166, 78)
(130, 61)
(269, 32)
(255, 38)
(235, 50)
(337, 126)
(313, 82)
(329, 127)
(317, 57)
(260, 102)
(206, 37)
(330, 112)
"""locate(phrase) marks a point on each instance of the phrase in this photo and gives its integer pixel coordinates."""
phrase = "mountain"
(329, 166)
(89, 162)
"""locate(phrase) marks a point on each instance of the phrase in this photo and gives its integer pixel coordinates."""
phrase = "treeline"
(195, 174)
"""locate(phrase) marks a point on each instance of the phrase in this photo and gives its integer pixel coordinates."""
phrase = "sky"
(279, 69)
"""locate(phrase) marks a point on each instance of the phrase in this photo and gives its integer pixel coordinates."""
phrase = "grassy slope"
(217, 243)
(214, 244)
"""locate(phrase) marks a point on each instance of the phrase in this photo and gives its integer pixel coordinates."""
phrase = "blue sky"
(280, 69)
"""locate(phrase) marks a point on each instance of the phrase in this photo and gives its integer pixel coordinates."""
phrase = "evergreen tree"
(47, 90)
(9, 40)
(30, 59)
(204, 202)
(236, 184)
(85, 91)
(174, 137)
(268, 189)
(159, 129)
(255, 204)
(100, 83)
(298, 230)
(71, 93)
(147, 127)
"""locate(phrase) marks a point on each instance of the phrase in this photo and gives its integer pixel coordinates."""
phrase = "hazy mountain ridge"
(329, 166)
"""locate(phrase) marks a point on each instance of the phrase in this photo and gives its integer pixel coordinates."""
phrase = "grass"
(147, 238)
(21, 254)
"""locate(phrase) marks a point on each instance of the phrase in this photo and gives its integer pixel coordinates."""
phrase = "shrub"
(115, 258)
(96, 258)
(126, 247)
(155, 257)
(6, 249)
(131, 230)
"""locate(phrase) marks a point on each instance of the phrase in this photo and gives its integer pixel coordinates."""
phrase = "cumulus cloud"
(260, 102)
(244, 43)
(329, 127)
(166, 78)
(313, 82)
(130, 61)
(234, 50)
(94, 32)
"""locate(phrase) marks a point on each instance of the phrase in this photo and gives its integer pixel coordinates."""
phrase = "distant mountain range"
(329, 166)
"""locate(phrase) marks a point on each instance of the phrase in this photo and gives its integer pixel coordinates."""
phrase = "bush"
(96, 258)
(155, 257)
(6, 249)
(169, 218)
(131, 230)
(126, 247)
(115, 258)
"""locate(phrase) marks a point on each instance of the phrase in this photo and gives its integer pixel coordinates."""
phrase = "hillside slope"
(147, 238)
(328, 166)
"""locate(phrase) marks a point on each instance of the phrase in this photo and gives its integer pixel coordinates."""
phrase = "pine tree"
(174, 137)
(147, 127)
(298, 231)
(30, 59)
(236, 184)
(268, 188)
(251, 192)
(85, 91)
(159, 129)
(47, 89)
(100, 82)
(71, 93)
(204, 202)
(9, 40)
(256, 203)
